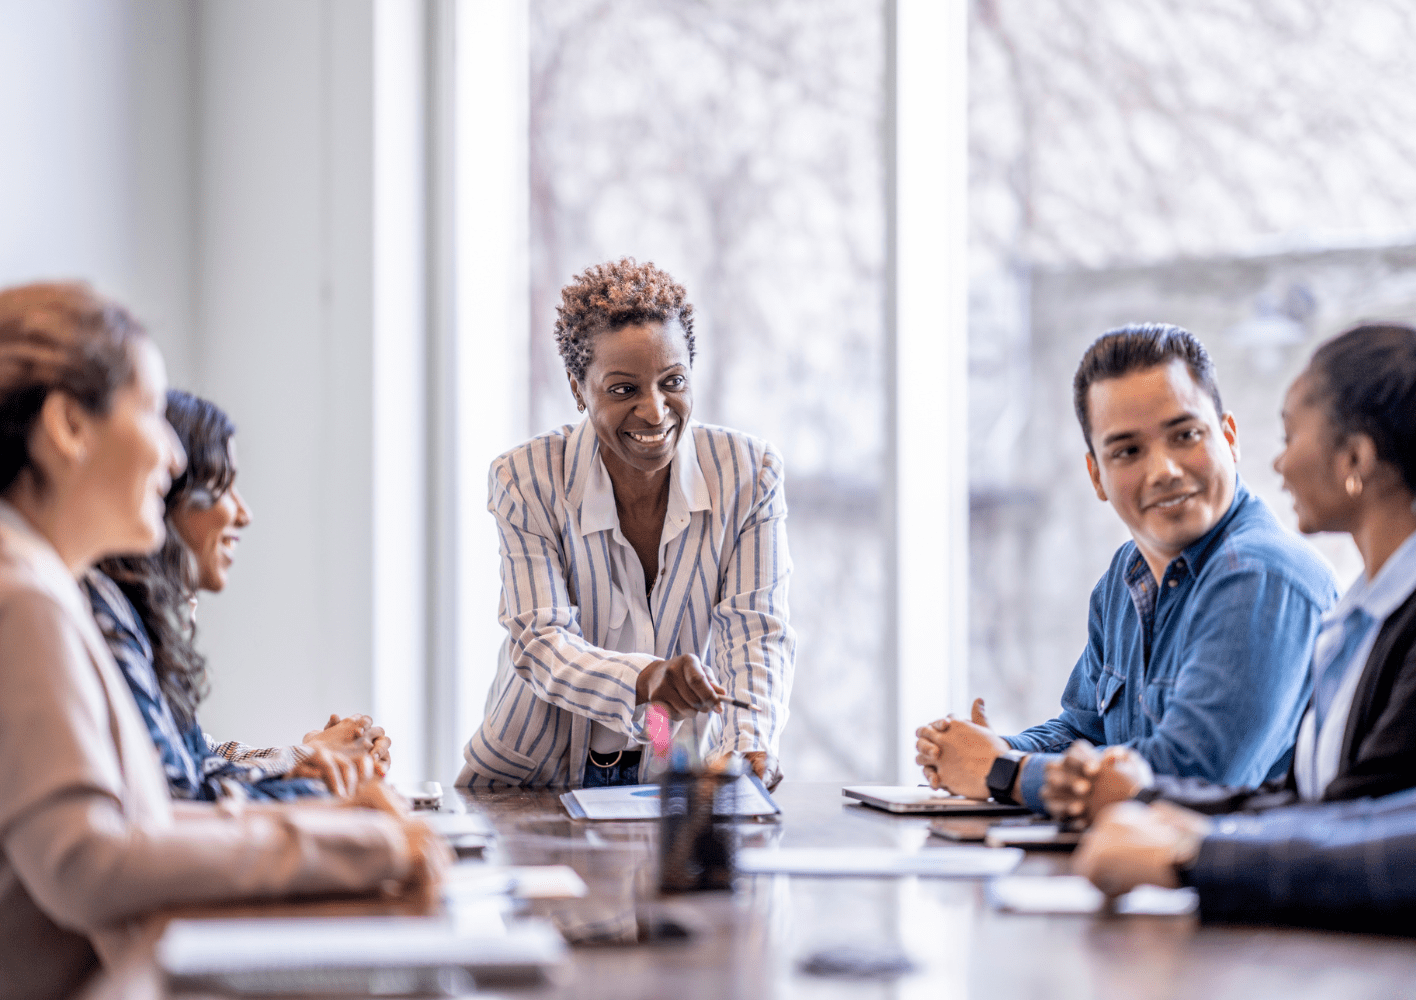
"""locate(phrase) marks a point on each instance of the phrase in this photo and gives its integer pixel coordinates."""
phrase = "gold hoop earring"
(1354, 486)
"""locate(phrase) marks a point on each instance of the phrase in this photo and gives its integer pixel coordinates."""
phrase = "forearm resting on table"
(87, 865)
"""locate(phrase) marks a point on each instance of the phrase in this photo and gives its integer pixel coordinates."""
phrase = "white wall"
(248, 176)
(95, 125)
(312, 317)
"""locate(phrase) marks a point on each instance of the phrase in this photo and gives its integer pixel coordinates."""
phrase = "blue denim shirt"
(1205, 673)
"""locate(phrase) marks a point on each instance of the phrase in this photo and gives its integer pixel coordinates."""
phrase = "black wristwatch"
(1003, 774)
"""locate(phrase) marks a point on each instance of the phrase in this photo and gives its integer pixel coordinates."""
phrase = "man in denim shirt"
(1201, 632)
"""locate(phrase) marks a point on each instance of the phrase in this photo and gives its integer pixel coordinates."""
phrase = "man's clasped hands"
(1128, 843)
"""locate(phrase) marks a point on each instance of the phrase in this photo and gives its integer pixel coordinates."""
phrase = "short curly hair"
(615, 294)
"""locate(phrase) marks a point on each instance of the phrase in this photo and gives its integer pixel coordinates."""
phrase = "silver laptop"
(923, 799)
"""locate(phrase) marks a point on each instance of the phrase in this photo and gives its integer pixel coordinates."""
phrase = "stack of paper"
(1073, 894)
(357, 954)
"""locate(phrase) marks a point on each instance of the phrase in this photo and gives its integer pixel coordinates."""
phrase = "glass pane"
(739, 146)
(1242, 170)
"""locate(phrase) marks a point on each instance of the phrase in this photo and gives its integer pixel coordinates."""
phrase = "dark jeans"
(624, 771)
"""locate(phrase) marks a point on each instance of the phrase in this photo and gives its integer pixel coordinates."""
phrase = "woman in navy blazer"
(644, 563)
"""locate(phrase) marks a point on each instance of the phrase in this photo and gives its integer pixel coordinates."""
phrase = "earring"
(580, 405)
(1354, 486)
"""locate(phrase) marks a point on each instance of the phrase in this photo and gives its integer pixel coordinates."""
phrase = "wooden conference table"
(752, 944)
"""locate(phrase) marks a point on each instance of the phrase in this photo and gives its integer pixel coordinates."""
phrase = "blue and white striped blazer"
(722, 595)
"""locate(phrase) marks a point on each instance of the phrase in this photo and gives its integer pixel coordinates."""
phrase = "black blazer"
(1378, 749)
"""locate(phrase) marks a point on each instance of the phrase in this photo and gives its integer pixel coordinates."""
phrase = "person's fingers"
(719, 692)
(693, 687)
(331, 773)
(333, 720)
(978, 715)
(927, 749)
(678, 693)
(350, 773)
(698, 684)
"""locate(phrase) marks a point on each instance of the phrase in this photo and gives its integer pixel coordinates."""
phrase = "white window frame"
(927, 334)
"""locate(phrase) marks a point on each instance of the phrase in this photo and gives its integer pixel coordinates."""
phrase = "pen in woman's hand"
(726, 700)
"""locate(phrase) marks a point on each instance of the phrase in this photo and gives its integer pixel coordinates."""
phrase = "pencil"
(724, 699)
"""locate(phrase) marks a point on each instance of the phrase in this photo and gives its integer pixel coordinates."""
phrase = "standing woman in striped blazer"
(643, 563)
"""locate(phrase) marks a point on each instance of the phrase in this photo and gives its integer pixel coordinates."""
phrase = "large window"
(1244, 170)
(743, 148)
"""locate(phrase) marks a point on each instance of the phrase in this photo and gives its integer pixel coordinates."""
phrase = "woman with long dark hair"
(92, 842)
(145, 606)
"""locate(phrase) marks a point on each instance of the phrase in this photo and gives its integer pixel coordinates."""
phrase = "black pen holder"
(695, 854)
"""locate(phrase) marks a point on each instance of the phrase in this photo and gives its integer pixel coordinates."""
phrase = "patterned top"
(721, 595)
(195, 767)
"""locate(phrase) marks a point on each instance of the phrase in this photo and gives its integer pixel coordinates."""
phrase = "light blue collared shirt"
(1365, 607)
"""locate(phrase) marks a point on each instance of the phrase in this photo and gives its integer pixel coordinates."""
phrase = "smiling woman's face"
(1309, 463)
(638, 395)
(211, 528)
(134, 455)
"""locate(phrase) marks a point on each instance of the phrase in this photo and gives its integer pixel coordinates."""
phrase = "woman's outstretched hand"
(681, 685)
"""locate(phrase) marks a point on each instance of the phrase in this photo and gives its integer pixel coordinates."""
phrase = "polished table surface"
(752, 943)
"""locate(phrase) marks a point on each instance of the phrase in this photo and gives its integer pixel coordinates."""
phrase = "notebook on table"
(351, 956)
(923, 799)
(746, 796)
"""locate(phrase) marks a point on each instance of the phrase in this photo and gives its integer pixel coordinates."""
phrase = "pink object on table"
(656, 720)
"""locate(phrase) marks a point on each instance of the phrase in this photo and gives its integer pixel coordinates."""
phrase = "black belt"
(629, 758)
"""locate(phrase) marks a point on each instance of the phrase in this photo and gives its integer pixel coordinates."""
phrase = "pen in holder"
(694, 854)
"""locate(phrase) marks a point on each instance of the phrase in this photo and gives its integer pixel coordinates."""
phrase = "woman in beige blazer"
(90, 839)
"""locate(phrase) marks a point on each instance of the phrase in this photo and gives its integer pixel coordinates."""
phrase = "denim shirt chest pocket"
(1111, 703)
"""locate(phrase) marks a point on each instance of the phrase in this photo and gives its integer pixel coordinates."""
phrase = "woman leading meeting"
(643, 562)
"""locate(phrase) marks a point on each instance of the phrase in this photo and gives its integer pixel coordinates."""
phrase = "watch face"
(1000, 778)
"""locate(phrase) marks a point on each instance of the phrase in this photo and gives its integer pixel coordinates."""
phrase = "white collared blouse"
(721, 594)
(1366, 606)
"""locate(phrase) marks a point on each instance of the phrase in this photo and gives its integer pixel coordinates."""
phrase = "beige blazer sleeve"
(86, 827)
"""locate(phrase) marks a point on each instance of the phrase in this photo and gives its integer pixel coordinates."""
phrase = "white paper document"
(450, 824)
(937, 862)
(744, 797)
(203, 947)
(1074, 894)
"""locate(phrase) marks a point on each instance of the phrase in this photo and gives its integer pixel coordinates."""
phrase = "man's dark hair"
(1136, 347)
(1367, 379)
